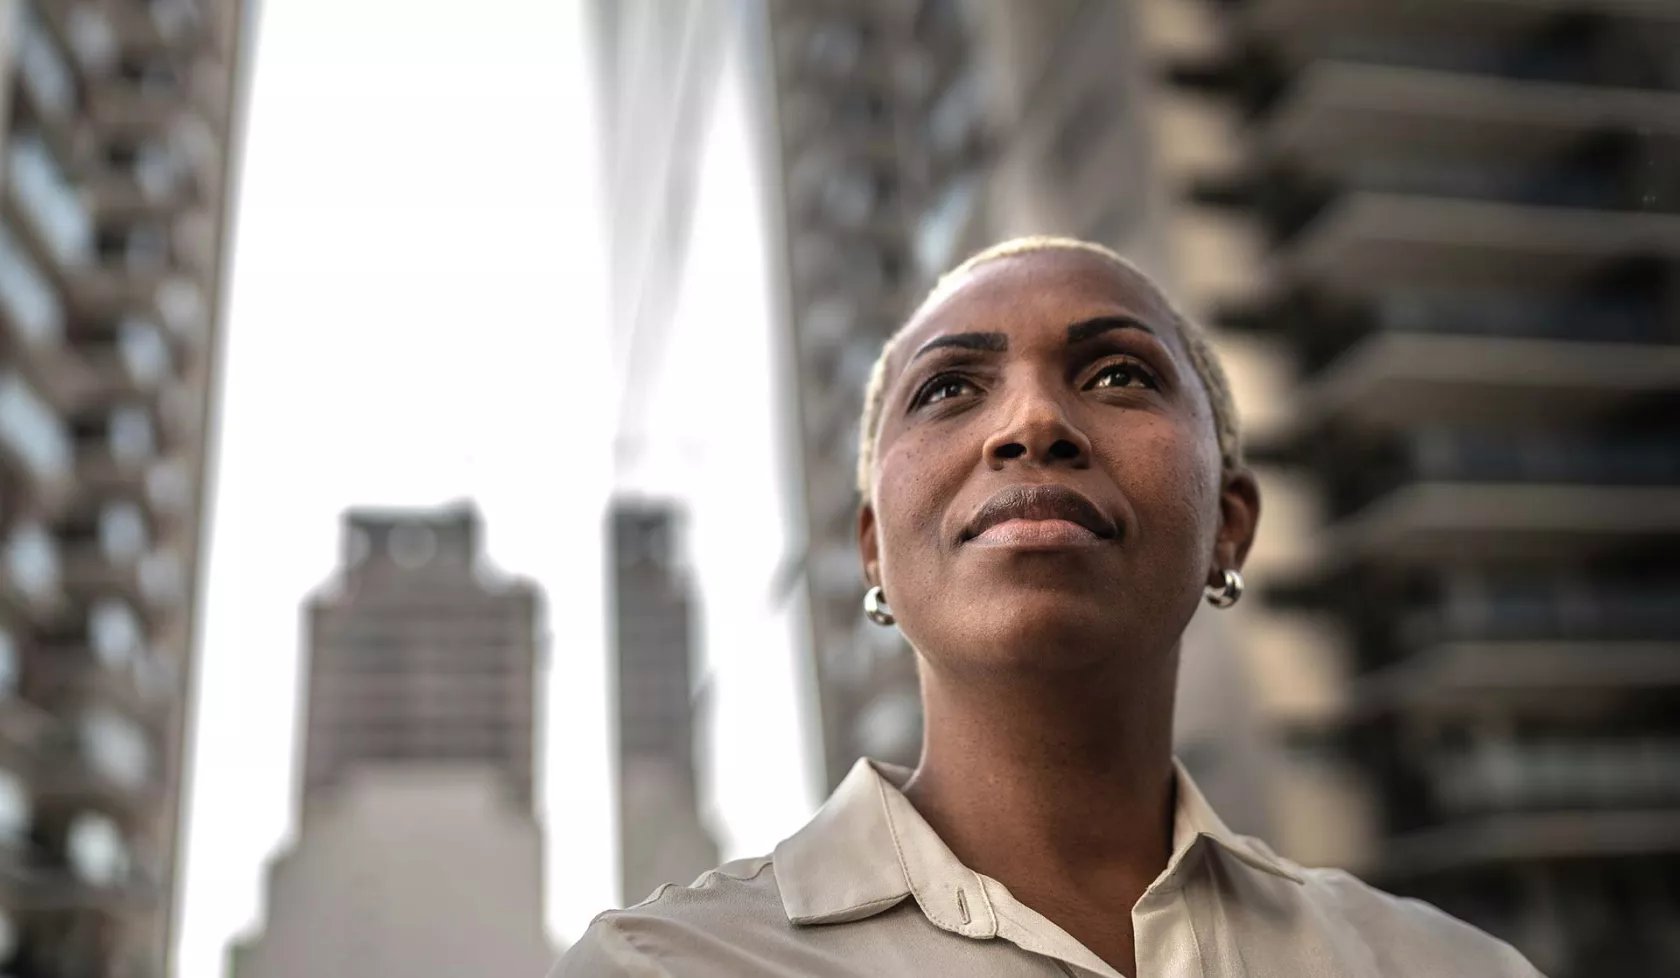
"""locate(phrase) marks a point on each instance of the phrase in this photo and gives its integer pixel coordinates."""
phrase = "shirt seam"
(1195, 938)
(622, 952)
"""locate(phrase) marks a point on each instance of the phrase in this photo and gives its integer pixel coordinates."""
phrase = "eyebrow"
(1079, 332)
(1092, 328)
(987, 342)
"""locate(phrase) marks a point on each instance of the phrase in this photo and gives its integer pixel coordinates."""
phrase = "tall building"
(878, 117)
(419, 853)
(116, 146)
(1436, 242)
(1458, 223)
(662, 837)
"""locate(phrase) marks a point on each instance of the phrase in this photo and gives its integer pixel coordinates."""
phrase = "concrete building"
(1436, 242)
(418, 852)
(1457, 227)
(662, 837)
(119, 131)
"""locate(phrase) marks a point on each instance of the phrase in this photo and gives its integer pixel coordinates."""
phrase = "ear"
(1239, 517)
(869, 544)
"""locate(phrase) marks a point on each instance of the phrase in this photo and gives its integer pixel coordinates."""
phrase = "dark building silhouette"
(661, 834)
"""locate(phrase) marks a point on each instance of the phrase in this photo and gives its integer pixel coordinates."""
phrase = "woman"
(1052, 480)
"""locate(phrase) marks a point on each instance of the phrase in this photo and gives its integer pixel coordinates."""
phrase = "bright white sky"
(417, 315)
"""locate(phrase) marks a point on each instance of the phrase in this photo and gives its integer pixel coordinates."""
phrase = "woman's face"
(1048, 489)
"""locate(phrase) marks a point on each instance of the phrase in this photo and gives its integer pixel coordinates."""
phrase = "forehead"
(1039, 291)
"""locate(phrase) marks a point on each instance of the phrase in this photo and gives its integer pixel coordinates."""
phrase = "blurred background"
(427, 433)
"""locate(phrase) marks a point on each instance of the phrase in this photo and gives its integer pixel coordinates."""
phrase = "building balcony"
(110, 291)
(155, 27)
(1306, 24)
(119, 109)
(90, 571)
(1456, 679)
(1367, 241)
(32, 884)
(78, 774)
(1395, 380)
(1451, 523)
(139, 192)
(1336, 112)
(1527, 838)
(67, 678)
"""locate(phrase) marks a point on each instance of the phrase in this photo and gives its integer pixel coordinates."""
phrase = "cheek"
(912, 490)
(1169, 479)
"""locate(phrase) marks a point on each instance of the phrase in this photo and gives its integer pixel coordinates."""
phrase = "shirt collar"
(868, 849)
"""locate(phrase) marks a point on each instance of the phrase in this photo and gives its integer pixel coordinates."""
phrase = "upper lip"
(1040, 502)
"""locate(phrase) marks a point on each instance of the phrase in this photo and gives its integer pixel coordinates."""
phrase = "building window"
(51, 201)
(14, 808)
(122, 532)
(43, 66)
(161, 578)
(33, 430)
(95, 850)
(32, 561)
(8, 662)
(116, 747)
(26, 296)
(144, 351)
(411, 546)
(181, 302)
(132, 437)
(114, 632)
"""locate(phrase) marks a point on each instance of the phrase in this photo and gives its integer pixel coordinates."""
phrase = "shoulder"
(1408, 936)
(678, 927)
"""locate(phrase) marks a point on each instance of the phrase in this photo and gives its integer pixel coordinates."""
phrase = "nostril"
(1064, 449)
(1012, 450)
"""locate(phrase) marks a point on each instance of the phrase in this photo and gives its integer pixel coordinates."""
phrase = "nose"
(1037, 431)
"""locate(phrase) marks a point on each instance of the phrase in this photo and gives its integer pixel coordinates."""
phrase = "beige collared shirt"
(867, 889)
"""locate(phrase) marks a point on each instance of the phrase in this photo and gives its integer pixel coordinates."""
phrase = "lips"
(1040, 503)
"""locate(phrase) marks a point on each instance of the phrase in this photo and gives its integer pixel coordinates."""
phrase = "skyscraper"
(1458, 224)
(418, 851)
(121, 123)
(662, 838)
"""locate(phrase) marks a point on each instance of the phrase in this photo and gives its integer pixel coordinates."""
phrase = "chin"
(1044, 629)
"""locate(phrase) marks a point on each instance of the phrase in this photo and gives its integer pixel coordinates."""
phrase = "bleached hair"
(1203, 359)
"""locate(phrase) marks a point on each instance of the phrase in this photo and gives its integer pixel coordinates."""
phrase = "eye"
(1124, 374)
(942, 387)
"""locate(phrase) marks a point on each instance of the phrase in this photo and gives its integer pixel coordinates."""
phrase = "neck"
(1067, 774)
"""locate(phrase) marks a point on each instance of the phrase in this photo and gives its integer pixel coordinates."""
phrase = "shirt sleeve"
(605, 951)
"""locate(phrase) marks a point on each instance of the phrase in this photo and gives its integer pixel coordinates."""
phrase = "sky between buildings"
(416, 316)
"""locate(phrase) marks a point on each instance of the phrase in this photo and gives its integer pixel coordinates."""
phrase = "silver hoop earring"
(1228, 592)
(875, 608)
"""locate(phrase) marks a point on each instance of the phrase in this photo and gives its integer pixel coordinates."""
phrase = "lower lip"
(1036, 535)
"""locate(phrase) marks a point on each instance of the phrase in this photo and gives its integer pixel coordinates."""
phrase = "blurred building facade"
(419, 852)
(121, 122)
(657, 69)
(662, 838)
(1459, 222)
(1436, 242)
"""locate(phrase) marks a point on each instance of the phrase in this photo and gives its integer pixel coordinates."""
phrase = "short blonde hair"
(1203, 359)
